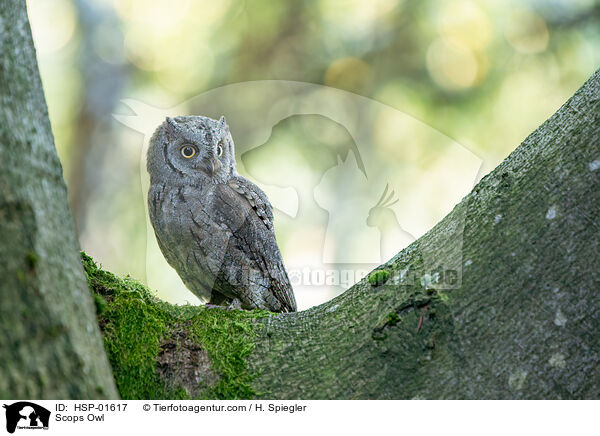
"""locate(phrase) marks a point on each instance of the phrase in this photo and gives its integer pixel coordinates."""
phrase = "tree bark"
(49, 340)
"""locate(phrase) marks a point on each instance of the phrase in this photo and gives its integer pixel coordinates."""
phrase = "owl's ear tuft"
(171, 122)
(222, 121)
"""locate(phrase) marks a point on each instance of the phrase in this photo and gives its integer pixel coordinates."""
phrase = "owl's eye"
(188, 151)
(219, 150)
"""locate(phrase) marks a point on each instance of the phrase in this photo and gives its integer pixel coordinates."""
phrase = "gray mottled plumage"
(214, 226)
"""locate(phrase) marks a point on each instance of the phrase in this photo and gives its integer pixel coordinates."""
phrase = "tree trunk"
(524, 322)
(499, 300)
(49, 341)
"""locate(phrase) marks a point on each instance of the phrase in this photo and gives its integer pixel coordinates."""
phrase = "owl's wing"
(256, 198)
(245, 210)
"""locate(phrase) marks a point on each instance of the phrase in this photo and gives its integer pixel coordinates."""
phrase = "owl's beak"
(215, 165)
(210, 166)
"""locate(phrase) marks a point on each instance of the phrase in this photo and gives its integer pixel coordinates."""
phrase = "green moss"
(226, 336)
(379, 277)
(135, 324)
(379, 332)
(100, 303)
(32, 259)
(443, 295)
(393, 319)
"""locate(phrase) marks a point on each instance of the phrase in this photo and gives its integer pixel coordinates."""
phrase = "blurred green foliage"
(485, 73)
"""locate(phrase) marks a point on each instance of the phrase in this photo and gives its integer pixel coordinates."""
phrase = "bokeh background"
(484, 73)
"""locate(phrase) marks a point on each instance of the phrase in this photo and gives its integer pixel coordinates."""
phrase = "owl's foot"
(236, 304)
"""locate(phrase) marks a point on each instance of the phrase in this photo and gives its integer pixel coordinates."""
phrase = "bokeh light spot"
(53, 24)
(350, 74)
(465, 23)
(452, 66)
(527, 32)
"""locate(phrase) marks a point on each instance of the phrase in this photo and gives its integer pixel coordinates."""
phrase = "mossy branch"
(158, 350)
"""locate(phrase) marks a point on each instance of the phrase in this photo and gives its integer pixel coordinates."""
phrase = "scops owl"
(212, 225)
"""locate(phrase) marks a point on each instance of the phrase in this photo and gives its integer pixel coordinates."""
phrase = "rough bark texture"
(49, 341)
(521, 321)
(525, 321)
